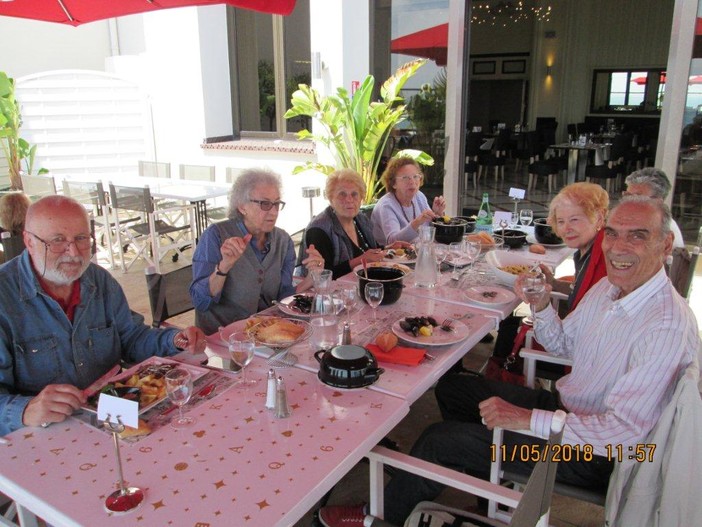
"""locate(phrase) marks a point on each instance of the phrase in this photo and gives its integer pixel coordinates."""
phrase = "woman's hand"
(399, 244)
(231, 251)
(426, 216)
(373, 255)
(314, 260)
(439, 205)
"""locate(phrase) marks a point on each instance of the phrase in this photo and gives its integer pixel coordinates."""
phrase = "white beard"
(59, 277)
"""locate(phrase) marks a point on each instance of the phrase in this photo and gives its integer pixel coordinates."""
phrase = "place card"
(127, 411)
(516, 193)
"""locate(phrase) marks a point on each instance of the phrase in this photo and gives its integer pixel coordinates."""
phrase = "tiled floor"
(354, 487)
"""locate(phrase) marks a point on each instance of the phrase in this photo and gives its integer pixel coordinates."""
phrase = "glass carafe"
(323, 313)
(425, 270)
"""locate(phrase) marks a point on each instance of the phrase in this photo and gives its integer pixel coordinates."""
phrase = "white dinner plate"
(490, 295)
(400, 259)
(438, 338)
(531, 239)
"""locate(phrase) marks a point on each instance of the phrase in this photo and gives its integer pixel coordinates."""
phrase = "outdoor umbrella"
(430, 43)
(76, 12)
(695, 79)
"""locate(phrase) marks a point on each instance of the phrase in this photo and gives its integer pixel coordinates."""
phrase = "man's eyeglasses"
(60, 245)
(267, 205)
(406, 179)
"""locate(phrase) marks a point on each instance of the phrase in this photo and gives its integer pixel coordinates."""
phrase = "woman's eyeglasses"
(407, 179)
(267, 205)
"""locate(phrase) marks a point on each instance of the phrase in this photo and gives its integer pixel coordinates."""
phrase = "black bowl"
(449, 232)
(544, 233)
(513, 238)
(390, 277)
(470, 223)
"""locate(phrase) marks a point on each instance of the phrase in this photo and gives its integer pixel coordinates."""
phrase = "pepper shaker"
(346, 335)
(282, 410)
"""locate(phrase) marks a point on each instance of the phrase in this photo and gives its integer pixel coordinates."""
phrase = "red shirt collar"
(68, 307)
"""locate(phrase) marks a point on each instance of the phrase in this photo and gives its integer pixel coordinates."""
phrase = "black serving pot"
(544, 233)
(470, 223)
(452, 231)
(390, 277)
(347, 366)
(513, 238)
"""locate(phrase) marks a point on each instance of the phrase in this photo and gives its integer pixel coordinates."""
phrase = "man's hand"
(53, 404)
(498, 412)
(191, 339)
(543, 301)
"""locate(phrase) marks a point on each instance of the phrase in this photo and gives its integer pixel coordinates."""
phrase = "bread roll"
(144, 429)
(537, 249)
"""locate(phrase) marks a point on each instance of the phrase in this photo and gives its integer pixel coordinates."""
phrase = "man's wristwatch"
(218, 272)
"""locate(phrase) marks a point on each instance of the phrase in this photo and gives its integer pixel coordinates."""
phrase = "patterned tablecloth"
(236, 466)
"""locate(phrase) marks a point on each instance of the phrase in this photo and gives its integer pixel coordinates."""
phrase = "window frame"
(597, 91)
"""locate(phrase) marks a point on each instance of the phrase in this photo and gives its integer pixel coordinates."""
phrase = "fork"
(447, 325)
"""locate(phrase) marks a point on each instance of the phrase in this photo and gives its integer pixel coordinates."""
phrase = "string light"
(504, 12)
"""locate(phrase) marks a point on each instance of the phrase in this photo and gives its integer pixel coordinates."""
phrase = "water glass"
(179, 388)
(324, 320)
(349, 298)
(533, 287)
(374, 296)
(526, 216)
(456, 252)
(241, 350)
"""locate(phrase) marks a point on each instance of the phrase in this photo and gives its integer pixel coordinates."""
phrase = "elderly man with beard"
(64, 321)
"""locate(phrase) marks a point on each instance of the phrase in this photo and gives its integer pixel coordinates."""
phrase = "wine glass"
(514, 220)
(374, 296)
(440, 253)
(533, 287)
(456, 252)
(349, 297)
(179, 388)
(241, 349)
(471, 250)
(526, 216)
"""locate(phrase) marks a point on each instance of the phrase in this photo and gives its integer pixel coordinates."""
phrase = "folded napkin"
(398, 355)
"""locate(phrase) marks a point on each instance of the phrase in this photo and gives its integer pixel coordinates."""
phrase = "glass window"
(630, 91)
(272, 56)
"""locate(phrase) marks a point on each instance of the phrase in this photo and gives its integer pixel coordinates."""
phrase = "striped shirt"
(628, 355)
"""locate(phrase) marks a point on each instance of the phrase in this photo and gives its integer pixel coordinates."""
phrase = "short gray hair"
(656, 204)
(245, 183)
(655, 178)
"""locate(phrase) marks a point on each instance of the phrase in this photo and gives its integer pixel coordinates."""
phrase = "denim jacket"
(40, 346)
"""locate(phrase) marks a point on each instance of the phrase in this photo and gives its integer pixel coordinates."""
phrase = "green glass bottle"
(484, 221)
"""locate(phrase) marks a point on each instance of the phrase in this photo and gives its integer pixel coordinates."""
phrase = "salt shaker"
(271, 390)
(282, 409)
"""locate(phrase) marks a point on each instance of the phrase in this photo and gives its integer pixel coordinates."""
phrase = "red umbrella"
(76, 12)
(695, 79)
(431, 43)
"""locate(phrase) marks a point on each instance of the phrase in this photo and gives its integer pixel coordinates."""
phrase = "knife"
(102, 381)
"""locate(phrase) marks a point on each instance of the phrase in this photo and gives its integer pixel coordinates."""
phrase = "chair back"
(197, 172)
(232, 173)
(682, 269)
(38, 186)
(154, 169)
(131, 198)
(169, 293)
(474, 141)
(11, 245)
(86, 192)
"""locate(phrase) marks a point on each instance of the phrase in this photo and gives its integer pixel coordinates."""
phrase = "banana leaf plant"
(356, 128)
(18, 152)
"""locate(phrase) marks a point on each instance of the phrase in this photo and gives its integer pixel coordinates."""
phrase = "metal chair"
(169, 293)
(38, 186)
(146, 235)
(530, 507)
(92, 196)
(155, 169)
(682, 269)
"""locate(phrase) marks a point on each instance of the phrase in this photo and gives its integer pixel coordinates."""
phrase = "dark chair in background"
(11, 245)
(473, 142)
(169, 294)
(497, 155)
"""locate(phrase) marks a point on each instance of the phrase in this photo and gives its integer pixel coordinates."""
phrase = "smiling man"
(64, 321)
(630, 338)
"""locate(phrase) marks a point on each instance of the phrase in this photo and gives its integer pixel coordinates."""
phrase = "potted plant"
(357, 129)
(18, 152)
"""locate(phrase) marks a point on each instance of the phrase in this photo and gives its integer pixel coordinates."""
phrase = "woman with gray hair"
(653, 183)
(242, 264)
